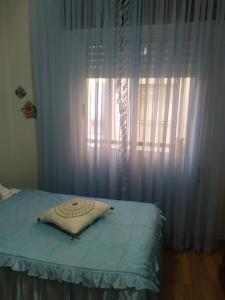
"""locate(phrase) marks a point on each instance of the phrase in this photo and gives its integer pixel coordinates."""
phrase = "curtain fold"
(130, 101)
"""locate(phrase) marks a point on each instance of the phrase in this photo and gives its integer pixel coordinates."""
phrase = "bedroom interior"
(112, 168)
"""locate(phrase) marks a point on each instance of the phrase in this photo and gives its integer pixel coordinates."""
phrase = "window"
(161, 117)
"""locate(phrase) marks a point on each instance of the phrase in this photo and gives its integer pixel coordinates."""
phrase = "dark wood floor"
(190, 276)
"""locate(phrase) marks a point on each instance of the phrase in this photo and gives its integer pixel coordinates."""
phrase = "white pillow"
(74, 215)
(6, 193)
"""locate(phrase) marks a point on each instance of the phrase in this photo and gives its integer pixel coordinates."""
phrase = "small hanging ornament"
(20, 92)
(29, 110)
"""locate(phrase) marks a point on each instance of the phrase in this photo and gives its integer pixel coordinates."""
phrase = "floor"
(190, 276)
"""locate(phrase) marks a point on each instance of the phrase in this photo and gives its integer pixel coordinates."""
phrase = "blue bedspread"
(120, 250)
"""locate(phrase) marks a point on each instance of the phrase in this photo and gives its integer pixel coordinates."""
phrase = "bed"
(117, 257)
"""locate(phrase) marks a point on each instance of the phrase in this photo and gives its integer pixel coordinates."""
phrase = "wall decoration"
(29, 110)
(20, 92)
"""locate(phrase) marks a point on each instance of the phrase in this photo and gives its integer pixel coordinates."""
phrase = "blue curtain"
(130, 102)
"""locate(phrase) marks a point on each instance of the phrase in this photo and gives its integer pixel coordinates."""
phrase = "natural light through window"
(161, 119)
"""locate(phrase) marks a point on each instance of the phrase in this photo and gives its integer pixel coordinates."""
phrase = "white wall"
(18, 149)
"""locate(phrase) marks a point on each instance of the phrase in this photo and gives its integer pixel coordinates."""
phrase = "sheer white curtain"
(131, 106)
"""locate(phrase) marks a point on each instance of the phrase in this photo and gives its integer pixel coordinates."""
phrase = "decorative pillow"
(74, 215)
(6, 193)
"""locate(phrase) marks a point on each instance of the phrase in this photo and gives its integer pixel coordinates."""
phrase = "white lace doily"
(74, 208)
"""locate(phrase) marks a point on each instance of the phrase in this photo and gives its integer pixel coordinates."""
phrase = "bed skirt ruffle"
(18, 286)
